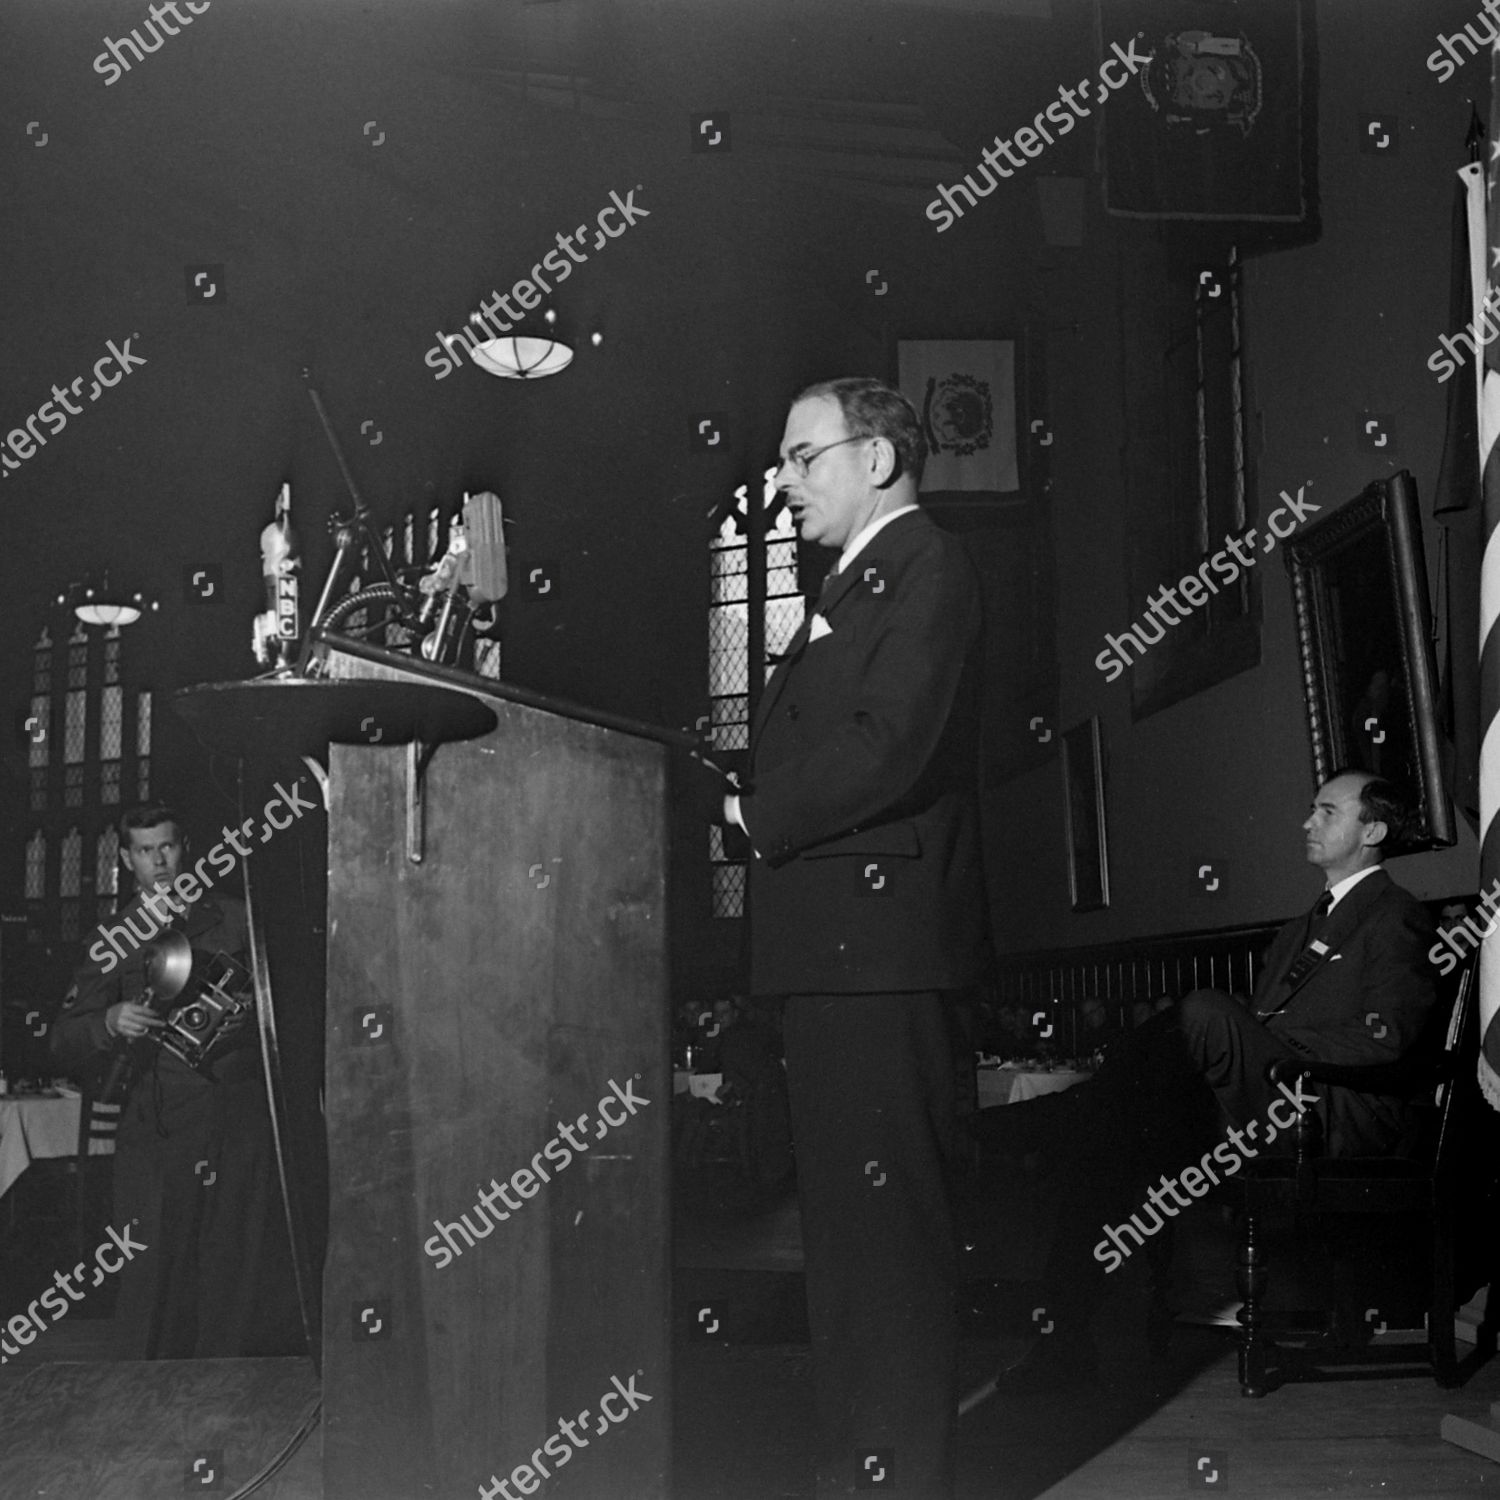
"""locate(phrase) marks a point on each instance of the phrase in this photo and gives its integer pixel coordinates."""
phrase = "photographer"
(194, 1169)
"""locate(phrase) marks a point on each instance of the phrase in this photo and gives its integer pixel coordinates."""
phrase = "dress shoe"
(1055, 1362)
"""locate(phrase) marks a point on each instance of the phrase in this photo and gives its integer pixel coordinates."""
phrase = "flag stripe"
(1488, 367)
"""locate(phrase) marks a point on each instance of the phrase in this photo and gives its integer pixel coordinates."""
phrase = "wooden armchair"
(1454, 1168)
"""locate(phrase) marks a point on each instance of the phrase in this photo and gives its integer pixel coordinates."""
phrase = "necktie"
(1308, 958)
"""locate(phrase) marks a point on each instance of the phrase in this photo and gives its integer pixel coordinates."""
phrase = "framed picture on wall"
(1364, 635)
(1083, 815)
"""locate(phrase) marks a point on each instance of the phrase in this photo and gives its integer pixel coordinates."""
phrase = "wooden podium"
(497, 969)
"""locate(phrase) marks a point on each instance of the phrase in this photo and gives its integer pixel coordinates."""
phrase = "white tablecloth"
(699, 1085)
(1012, 1085)
(32, 1128)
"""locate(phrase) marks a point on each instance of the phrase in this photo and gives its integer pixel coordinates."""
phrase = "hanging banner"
(1216, 125)
(964, 391)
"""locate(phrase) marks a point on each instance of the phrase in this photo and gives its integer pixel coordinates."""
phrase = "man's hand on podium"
(707, 785)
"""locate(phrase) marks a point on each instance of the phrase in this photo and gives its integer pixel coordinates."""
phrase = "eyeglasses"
(802, 460)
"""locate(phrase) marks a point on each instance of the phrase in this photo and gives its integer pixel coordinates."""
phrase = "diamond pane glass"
(111, 720)
(112, 656)
(730, 574)
(39, 730)
(143, 724)
(487, 659)
(36, 866)
(78, 665)
(729, 649)
(39, 790)
(109, 782)
(143, 779)
(41, 663)
(781, 569)
(728, 896)
(731, 722)
(70, 866)
(107, 863)
(75, 710)
(73, 786)
(783, 616)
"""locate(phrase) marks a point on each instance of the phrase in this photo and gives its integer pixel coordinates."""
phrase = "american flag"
(1489, 605)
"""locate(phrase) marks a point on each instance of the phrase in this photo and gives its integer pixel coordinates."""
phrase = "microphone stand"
(346, 532)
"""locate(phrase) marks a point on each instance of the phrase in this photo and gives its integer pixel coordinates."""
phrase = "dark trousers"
(195, 1176)
(1163, 1099)
(871, 1082)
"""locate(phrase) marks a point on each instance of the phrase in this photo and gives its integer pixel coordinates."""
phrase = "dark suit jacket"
(1366, 1001)
(863, 782)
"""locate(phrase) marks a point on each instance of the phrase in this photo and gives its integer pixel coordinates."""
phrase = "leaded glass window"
(36, 866)
(70, 866)
(75, 720)
(39, 729)
(111, 720)
(107, 862)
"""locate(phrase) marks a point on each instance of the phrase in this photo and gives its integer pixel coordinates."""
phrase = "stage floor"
(76, 1426)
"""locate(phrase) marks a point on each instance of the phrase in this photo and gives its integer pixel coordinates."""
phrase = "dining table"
(35, 1127)
(1012, 1083)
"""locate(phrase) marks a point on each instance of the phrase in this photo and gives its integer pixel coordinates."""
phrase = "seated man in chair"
(1186, 1095)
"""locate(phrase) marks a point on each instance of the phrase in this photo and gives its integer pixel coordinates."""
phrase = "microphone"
(483, 568)
(278, 627)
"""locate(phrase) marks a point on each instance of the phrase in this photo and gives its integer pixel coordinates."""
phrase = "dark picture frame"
(1083, 816)
(1363, 616)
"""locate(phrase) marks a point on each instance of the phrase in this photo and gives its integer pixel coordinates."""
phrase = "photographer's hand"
(131, 1019)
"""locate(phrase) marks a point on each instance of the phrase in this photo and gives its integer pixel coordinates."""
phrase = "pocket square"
(818, 629)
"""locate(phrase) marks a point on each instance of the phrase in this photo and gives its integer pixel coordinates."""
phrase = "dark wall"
(1344, 325)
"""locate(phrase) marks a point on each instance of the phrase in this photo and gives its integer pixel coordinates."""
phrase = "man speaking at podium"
(866, 906)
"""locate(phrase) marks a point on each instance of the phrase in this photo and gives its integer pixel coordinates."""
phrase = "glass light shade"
(107, 612)
(519, 358)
